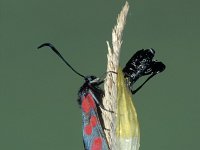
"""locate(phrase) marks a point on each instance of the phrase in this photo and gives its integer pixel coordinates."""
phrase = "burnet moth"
(127, 125)
(90, 99)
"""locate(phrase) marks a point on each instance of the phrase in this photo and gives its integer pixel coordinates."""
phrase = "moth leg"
(100, 104)
(102, 107)
(106, 129)
(134, 91)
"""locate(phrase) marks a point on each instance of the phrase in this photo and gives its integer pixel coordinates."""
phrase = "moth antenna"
(59, 55)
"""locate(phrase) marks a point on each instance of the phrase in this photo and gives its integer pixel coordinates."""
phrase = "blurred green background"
(38, 93)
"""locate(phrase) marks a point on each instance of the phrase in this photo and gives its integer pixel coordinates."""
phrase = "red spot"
(88, 103)
(91, 100)
(85, 105)
(93, 121)
(97, 144)
(88, 129)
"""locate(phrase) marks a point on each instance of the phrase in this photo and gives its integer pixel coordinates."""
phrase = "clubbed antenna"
(59, 55)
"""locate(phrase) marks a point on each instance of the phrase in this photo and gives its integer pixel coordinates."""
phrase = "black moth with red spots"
(90, 100)
(90, 96)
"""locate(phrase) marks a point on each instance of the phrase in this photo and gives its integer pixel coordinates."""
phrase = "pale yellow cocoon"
(127, 125)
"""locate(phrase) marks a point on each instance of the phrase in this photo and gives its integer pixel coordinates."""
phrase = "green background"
(38, 93)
